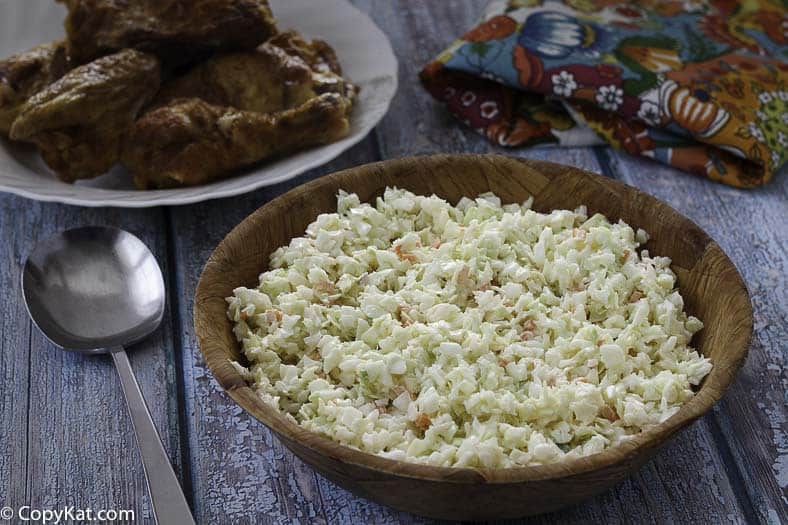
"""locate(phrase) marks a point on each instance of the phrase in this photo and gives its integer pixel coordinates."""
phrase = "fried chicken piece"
(265, 81)
(175, 30)
(268, 79)
(25, 74)
(317, 53)
(238, 108)
(191, 142)
(321, 58)
(79, 123)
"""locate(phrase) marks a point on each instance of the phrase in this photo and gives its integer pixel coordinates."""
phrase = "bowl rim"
(292, 433)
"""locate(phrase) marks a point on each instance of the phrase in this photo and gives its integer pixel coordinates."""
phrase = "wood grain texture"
(14, 357)
(752, 227)
(420, 30)
(75, 444)
(711, 287)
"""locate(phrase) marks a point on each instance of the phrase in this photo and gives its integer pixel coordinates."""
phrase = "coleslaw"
(482, 334)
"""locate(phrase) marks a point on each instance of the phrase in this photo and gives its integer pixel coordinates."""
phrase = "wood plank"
(418, 31)
(76, 445)
(14, 358)
(751, 226)
(240, 473)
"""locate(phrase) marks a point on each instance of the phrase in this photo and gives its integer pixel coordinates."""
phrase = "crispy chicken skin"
(191, 142)
(268, 79)
(175, 30)
(80, 122)
(321, 59)
(265, 80)
(25, 74)
(317, 53)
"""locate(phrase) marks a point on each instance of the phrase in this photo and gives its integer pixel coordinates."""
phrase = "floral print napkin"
(698, 84)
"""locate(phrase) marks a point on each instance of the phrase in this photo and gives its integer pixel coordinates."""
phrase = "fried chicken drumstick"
(80, 122)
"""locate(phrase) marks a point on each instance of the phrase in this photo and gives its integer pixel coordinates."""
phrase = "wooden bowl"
(712, 288)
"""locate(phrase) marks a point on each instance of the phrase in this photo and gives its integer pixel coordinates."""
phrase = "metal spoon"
(95, 290)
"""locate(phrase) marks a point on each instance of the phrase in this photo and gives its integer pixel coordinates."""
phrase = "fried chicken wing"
(274, 77)
(79, 122)
(25, 74)
(192, 142)
(175, 30)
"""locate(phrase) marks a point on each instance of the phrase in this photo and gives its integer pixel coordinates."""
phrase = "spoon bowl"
(94, 288)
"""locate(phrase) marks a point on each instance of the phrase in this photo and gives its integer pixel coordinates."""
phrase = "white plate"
(364, 52)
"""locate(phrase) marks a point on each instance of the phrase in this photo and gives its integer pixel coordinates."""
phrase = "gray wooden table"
(65, 436)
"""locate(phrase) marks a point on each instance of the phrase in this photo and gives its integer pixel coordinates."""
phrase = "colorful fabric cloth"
(698, 84)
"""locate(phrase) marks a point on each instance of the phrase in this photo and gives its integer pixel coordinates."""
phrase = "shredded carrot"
(609, 413)
(423, 421)
(463, 275)
(404, 256)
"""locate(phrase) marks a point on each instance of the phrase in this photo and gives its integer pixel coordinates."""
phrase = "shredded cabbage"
(480, 334)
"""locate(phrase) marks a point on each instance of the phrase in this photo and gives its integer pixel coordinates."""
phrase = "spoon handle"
(169, 503)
